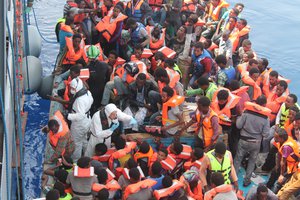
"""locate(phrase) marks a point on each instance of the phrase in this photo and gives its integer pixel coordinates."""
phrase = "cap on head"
(93, 52)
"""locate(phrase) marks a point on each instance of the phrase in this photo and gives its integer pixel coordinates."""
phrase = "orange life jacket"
(118, 64)
(235, 36)
(112, 185)
(159, 194)
(288, 127)
(167, 52)
(249, 81)
(138, 155)
(106, 156)
(184, 155)
(224, 114)
(293, 159)
(136, 187)
(274, 103)
(196, 163)
(196, 193)
(147, 53)
(169, 163)
(130, 146)
(110, 175)
(189, 6)
(108, 28)
(257, 108)
(172, 102)
(125, 172)
(154, 46)
(155, 4)
(71, 56)
(66, 28)
(174, 77)
(101, 56)
(129, 79)
(220, 189)
(83, 172)
(62, 131)
(214, 12)
(240, 91)
(207, 129)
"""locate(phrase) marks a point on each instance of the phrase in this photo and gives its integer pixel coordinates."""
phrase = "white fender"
(34, 42)
(46, 86)
(32, 75)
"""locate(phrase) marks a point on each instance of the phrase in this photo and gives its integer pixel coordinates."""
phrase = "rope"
(37, 26)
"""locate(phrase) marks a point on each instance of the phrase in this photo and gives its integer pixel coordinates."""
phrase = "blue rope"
(37, 26)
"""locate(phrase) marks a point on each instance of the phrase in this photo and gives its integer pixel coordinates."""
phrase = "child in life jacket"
(156, 174)
(62, 193)
(143, 157)
(196, 161)
(167, 162)
(123, 178)
(102, 154)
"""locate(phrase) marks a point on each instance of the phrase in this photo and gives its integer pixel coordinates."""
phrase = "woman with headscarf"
(104, 123)
(81, 102)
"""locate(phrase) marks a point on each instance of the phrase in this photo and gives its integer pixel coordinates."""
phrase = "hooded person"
(81, 103)
(105, 122)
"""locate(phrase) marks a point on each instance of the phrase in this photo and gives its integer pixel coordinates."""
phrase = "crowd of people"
(135, 67)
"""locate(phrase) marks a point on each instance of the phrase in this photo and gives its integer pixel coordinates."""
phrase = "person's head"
(207, 43)
(222, 97)
(261, 100)
(291, 100)
(225, 35)
(111, 112)
(53, 125)
(156, 31)
(241, 23)
(215, 2)
(247, 45)
(221, 61)
(262, 64)
(239, 6)
(93, 52)
(75, 71)
(81, 4)
(120, 143)
(198, 49)
(280, 135)
(232, 23)
(100, 149)
(203, 104)
(76, 40)
(167, 93)
(76, 85)
(131, 163)
(217, 179)
(84, 162)
(112, 57)
(162, 154)
(170, 63)
(138, 50)
(192, 19)
(220, 150)
(52, 195)
(102, 175)
(134, 175)
(181, 32)
(131, 23)
(167, 182)
(61, 175)
(116, 11)
(141, 80)
(144, 147)
(281, 87)
(262, 192)
(159, 56)
(103, 194)
(273, 78)
(176, 148)
(161, 74)
(234, 12)
(254, 73)
(108, 3)
(234, 85)
(69, 20)
(60, 188)
(156, 168)
(203, 83)
(253, 63)
(297, 121)
(292, 113)
(197, 154)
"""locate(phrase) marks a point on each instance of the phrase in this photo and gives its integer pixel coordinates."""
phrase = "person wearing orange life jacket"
(141, 54)
(102, 153)
(240, 34)
(172, 189)
(157, 37)
(174, 76)
(156, 175)
(291, 126)
(74, 51)
(220, 189)
(82, 179)
(255, 127)
(246, 47)
(264, 71)
(230, 28)
(168, 163)
(283, 113)
(59, 137)
(254, 90)
(270, 82)
(114, 63)
(181, 153)
(196, 160)
(275, 100)
(110, 28)
(65, 31)
(288, 150)
(193, 186)
(104, 182)
(138, 188)
(169, 118)
(240, 91)
(143, 157)
(216, 10)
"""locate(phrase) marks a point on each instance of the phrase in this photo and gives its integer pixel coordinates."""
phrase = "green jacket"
(209, 92)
